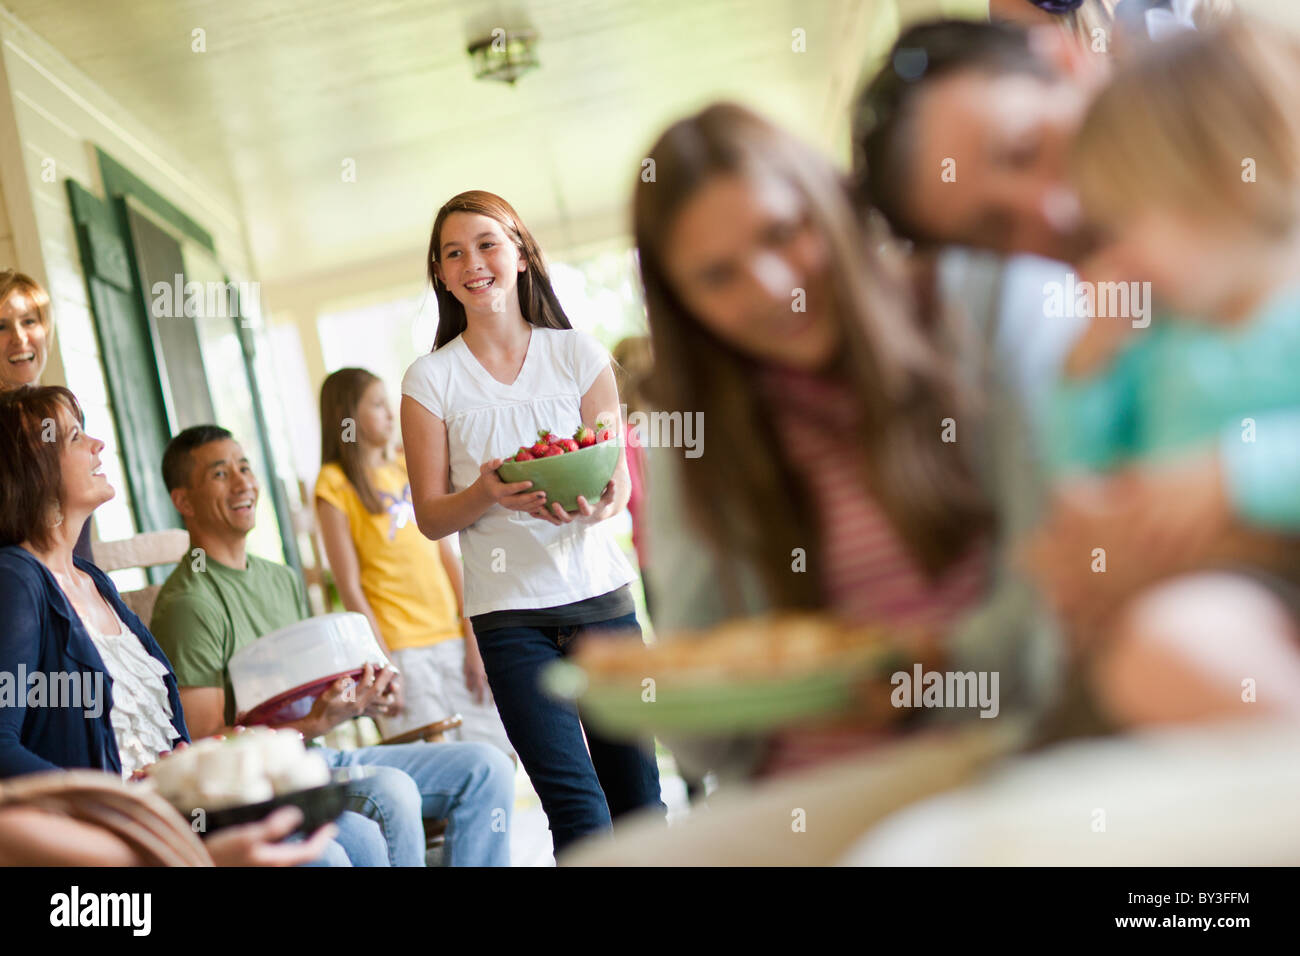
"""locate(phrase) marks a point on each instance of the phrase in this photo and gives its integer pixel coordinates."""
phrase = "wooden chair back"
(147, 550)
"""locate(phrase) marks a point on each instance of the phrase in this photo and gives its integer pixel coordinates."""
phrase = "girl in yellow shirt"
(409, 587)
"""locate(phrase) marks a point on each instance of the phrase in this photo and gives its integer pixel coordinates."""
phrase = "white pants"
(433, 680)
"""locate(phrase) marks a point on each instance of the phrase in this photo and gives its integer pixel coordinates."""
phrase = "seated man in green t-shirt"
(221, 598)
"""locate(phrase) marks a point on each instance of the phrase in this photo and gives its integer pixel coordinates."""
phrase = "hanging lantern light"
(505, 55)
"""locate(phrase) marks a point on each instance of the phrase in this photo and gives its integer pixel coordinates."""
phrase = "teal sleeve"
(1262, 469)
(1090, 423)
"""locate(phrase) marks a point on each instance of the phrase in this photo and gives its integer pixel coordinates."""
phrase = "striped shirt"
(867, 574)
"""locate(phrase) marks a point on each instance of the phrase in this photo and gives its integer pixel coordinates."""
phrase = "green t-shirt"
(203, 616)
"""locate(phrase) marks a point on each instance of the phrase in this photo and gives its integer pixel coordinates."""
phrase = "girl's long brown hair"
(537, 299)
(743, 492)
(340, 397)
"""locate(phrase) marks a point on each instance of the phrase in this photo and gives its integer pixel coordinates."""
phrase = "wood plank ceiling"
(287, 90)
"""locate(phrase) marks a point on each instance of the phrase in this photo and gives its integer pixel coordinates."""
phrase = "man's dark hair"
(178, 458)
(882, 114)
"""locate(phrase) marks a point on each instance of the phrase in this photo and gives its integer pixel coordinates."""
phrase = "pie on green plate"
(751, 676)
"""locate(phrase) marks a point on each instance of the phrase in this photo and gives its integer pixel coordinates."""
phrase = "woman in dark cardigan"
(64, 692)
(87, 685)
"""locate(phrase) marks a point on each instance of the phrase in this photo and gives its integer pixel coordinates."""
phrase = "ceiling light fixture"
(504, 55)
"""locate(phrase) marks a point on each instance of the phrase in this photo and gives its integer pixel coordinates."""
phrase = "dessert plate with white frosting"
(220, 782)
(319, 805)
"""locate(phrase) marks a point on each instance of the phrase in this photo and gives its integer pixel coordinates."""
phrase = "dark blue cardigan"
(40, 630)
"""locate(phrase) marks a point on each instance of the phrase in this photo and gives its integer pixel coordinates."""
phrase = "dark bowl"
(319, 805)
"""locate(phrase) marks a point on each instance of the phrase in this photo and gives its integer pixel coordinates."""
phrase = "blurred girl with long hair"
(855, 462)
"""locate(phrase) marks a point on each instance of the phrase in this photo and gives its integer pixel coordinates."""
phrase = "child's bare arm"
(438, 511)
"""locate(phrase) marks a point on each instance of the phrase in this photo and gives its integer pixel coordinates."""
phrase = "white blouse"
(141, 712)
(513, 560)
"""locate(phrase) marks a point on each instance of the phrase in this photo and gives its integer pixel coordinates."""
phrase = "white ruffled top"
(142, 712)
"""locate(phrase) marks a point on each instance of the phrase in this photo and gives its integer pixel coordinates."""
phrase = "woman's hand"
(1178, 512)
(605, 508)
(258, 844)
(513, 495)
(1108, 538)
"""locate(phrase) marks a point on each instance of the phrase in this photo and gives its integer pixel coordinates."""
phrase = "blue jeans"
(580, 793)
(360, 842)
(470, 785)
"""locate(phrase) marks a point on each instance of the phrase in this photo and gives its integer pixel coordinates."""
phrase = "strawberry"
(524, 454)
(584, 436)
(603, 433)
(552, 451)
(539, 449)
(568, 444)
(548, 436)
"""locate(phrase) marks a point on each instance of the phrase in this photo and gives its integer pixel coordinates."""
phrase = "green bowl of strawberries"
(565, 468)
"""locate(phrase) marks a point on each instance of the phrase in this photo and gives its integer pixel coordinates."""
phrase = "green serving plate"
(564, 477)
(695, 707)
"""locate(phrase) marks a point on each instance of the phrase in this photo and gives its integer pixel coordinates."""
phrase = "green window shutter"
(128, 355)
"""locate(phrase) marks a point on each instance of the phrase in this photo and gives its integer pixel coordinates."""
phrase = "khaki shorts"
(433, 680)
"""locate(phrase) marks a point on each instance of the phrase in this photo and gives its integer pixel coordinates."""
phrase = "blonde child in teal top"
(1229, 389)
(1188, 165)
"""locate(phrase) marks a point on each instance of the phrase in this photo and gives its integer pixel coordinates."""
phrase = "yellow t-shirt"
(402, 575)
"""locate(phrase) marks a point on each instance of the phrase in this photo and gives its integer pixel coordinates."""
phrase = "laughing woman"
(24, 330)
(25, 335)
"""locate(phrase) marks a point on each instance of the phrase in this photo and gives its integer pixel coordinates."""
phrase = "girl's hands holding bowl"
(514, 495)
(603, 509)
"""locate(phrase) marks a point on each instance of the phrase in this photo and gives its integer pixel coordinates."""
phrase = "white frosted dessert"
(248, 767)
